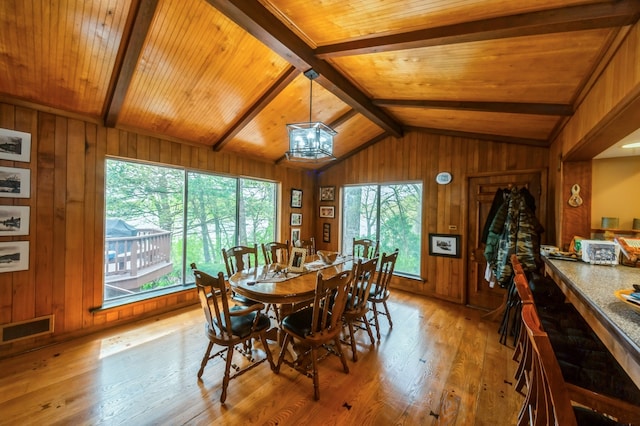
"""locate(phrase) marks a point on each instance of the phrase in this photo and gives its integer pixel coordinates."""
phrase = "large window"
(391, 214)
(149, 211)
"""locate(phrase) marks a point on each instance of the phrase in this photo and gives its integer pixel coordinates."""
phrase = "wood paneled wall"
(420, 156)
(610, 111)
(67, 218)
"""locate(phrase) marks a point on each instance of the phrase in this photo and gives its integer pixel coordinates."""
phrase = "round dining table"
(271, 284)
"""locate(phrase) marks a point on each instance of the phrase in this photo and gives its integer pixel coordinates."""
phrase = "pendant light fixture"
(311, 141)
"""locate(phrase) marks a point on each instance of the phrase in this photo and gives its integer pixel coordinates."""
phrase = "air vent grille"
(25, 329)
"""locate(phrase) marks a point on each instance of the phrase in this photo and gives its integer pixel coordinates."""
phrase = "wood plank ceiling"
(228, 74)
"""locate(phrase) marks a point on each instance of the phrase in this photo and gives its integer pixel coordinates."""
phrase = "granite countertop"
(597, 284)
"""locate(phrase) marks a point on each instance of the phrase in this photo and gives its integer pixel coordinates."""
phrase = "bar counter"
(590, 288)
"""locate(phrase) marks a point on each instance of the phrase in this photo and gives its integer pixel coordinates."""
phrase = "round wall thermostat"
(443, 178)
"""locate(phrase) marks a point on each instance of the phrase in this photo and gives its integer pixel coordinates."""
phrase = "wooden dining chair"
(237, 259)
(232, 328)
(274, 251)
(316, 327)
(355, 312)
(308, 244)
(365, 248)
(379, 293)
(549, 397)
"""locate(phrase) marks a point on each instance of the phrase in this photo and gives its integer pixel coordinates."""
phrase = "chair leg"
(338, 347)
(205, 359)
(376, 321)
(366, 324)
(227, 371)
(283, 350)
(352, 337)
(263, 339)
(316, 380)
(388, 315)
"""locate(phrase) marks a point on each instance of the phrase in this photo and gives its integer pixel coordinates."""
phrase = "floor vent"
(25, 329)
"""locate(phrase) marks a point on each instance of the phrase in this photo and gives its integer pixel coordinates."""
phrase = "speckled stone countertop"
(595, 285)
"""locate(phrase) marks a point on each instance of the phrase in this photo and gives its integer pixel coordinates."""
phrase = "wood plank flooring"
(441, 364)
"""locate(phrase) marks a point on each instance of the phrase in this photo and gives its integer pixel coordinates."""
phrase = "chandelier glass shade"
(311, 141)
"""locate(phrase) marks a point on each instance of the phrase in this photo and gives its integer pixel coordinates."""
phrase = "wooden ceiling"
(229, 74)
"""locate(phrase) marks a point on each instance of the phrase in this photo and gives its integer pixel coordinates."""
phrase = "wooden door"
(482, 190)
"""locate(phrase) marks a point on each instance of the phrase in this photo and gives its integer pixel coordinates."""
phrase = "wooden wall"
(420, 156)
(67, 218)
(610, 111)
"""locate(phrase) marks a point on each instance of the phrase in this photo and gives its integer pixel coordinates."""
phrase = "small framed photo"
(14, 145)
(296, 219)
(327, 211)
(14, 220)
(296, 261)
(14, 256)
(444, 245)
(295, 235)
(296, 198)
(327, 193)
(326, 232)
(15, 183)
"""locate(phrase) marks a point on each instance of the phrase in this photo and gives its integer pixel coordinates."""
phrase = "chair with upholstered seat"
(276, 252)
(232, 328)
(379, 293)
(316, 327)
(365, 248)
(355, 312)
(549, 397)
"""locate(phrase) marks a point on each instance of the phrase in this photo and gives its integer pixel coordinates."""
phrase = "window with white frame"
(390, 214)
(160, 219)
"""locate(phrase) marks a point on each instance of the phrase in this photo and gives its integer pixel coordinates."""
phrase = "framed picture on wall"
(14, 220)
(14, 256)
(15, 145)
(15, 183)
(327, 193)
(296, 219)
(326, 232)
(445, 245)
(296, 198)
(295, 235)
(327, 211)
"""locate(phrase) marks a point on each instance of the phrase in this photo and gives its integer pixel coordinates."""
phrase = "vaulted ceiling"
(229, 74)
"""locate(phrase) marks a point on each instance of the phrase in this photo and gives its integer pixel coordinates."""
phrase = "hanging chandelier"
(311, 141)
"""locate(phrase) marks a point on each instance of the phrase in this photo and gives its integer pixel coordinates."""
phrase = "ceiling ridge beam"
(283, 81)
(484, 136)
(508, 107)
(142, 17)
(258, 21)
(565, 19)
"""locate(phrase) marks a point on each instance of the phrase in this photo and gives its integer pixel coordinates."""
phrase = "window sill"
(127, 300)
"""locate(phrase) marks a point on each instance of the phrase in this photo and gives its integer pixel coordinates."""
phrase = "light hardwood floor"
(440, 364)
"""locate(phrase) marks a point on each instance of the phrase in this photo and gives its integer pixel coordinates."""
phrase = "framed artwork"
(14, 256)
(295, 235)
(327, 211)
(296, 198)
(15, 183)
(14, 220)
(444, 245)
(296, 219)
(296, 261)
(327, 193)
(14, 145)
(326, 232)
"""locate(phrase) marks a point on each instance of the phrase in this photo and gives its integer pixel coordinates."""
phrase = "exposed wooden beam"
(574, 18)
(142, 15)
(353, 152)
(485, 136)
(287, 77)
(259, 22)
(510, 107)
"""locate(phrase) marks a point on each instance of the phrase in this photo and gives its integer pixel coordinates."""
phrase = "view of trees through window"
(391, 214)
(149, 211)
